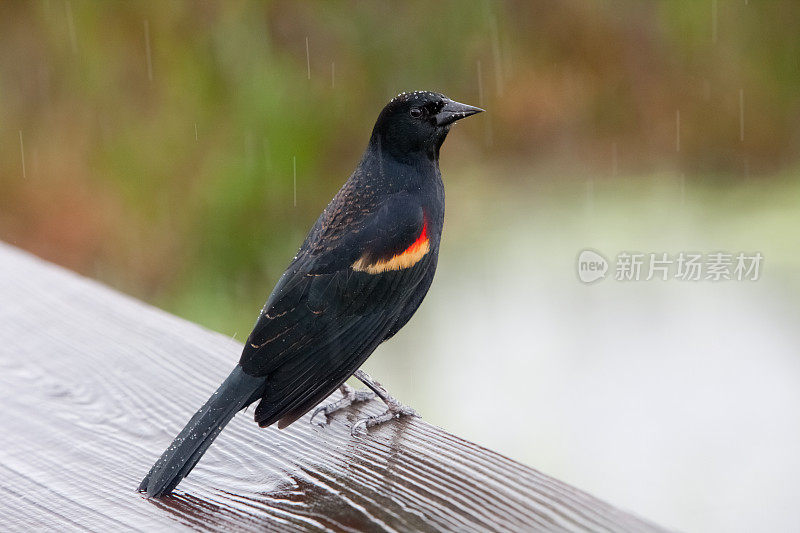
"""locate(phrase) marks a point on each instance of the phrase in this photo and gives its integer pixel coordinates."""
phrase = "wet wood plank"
(94, 385)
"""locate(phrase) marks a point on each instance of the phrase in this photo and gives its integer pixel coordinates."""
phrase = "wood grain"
(94, 385)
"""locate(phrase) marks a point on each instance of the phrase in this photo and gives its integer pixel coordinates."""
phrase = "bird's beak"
(453, 111)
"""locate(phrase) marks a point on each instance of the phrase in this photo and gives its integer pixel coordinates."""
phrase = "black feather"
(235, 393)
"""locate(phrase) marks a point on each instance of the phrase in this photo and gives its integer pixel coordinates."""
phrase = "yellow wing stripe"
(405, 259)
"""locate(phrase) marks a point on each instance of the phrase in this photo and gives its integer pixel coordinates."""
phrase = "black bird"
(360, 275)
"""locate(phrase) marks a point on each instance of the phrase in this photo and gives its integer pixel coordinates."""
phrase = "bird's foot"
(349, 397)
(395, 410)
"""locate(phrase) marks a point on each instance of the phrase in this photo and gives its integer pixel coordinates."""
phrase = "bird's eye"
(416, 112)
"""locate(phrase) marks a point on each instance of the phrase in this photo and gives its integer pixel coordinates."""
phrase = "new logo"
(591, 266)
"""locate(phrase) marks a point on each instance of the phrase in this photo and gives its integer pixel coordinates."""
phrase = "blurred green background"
(161, 139)
(179, 151)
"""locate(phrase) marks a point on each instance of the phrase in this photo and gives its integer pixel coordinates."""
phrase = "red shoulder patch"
(405, 259)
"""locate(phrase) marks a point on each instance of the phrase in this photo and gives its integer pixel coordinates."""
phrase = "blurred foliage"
(161, 139)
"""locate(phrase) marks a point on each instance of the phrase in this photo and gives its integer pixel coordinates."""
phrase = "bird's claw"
(349, 397)
(397, 410)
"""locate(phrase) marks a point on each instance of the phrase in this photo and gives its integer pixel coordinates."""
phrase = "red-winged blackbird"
(360, 275)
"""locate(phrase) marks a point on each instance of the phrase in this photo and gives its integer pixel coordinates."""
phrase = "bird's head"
(418, 122)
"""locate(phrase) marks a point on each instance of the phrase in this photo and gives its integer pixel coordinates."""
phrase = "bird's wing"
(333, 306)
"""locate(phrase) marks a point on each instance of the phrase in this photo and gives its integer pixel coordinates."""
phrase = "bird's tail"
(236, 392)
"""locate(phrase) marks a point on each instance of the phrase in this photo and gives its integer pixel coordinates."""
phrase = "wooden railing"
(94, 385)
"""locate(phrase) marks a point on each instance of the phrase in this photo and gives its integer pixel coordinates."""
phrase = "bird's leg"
(395, 408)
(349, 397)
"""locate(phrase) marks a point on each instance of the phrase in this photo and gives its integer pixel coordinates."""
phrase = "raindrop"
(741, 115)
(195, 131)
(249, 153)
(677, 130)
(480, 84)
(308, 60)
(714, 21)
(333, 75)
(614, 165)
(22, 154)
(73, 37)
(147, 50)
(294, 172)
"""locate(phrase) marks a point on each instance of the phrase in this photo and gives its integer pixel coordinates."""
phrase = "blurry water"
(677, 400)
